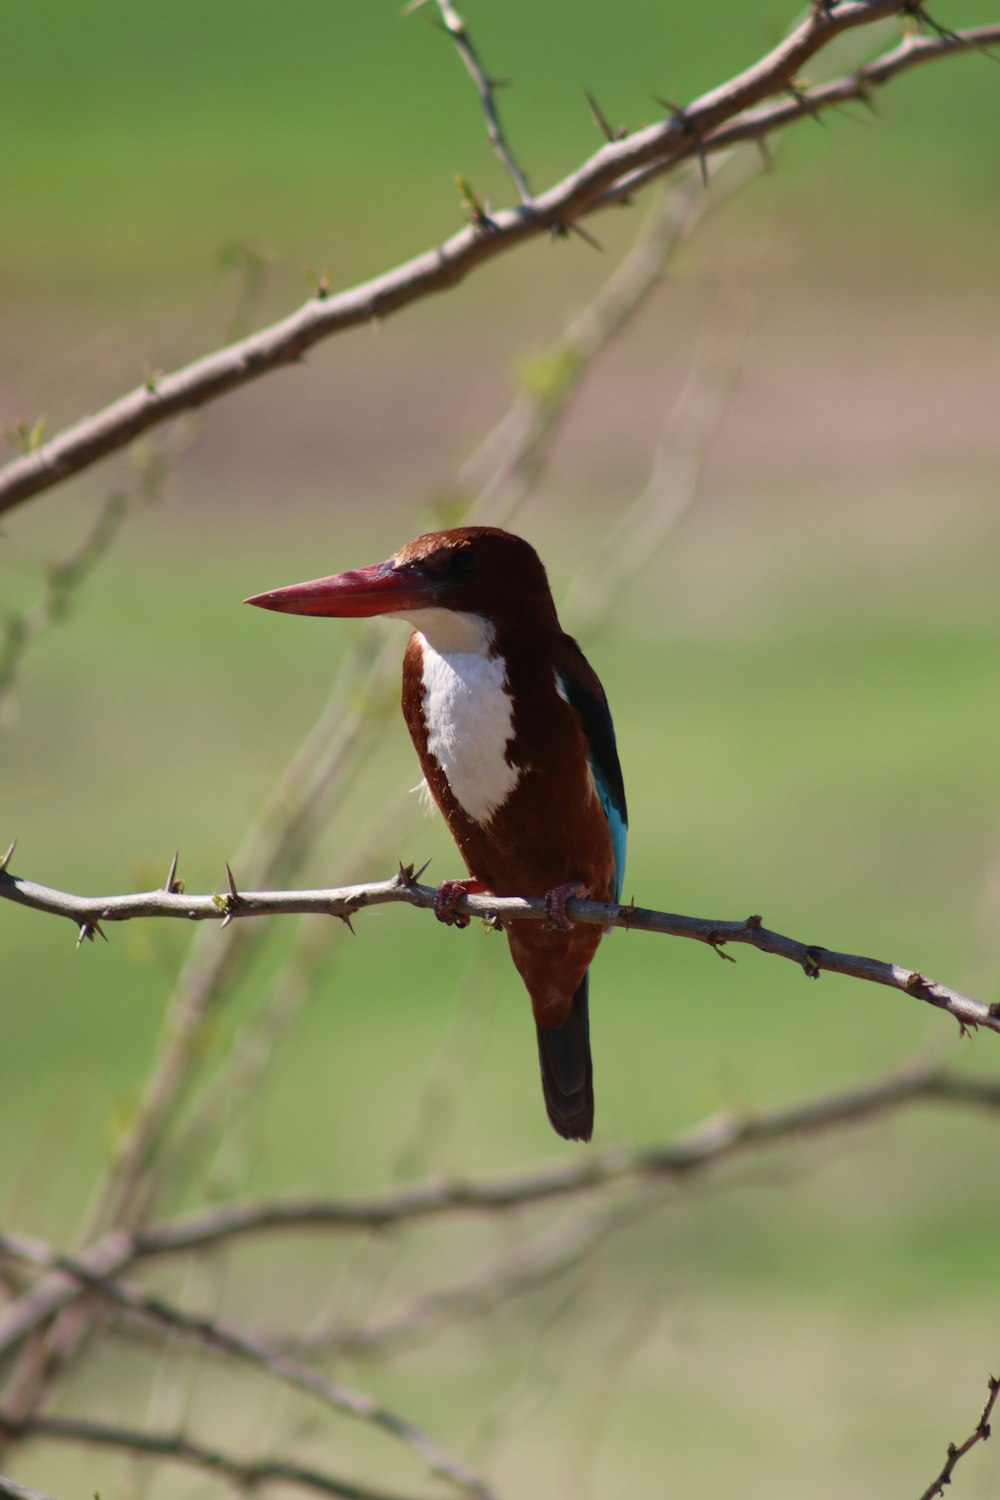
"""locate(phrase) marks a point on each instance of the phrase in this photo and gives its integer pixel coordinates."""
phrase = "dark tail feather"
(567, 1073)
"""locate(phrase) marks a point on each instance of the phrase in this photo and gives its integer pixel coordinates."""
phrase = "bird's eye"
(462, 564)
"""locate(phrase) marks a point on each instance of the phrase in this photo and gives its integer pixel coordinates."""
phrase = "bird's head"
(469, 570)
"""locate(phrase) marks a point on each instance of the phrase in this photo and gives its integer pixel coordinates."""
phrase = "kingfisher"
(512, 729)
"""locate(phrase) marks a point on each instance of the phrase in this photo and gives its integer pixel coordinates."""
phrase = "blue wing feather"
(602, 753)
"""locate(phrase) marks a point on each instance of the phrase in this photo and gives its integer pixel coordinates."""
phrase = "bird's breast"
(469, 719)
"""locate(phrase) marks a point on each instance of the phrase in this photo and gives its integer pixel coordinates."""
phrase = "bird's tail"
(567, 1072)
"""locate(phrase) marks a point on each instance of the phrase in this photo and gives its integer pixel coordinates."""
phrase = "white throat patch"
(467, 709)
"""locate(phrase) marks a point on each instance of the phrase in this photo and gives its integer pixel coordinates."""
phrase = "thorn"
(8, 856)
(946, 34)
(346, 919)
(601, 121)
(803, 98)
(928, 20)
(587, 238)
(229, 905)
(766, 154)
(679, 113)
(864, 95)
(173, 885)
(88, 927)
(627, 913)
(475, 208)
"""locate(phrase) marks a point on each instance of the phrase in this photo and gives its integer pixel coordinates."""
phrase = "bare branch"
(714, 122)
(87, 911)
(705, 1145)
(247, 1473)
(487, 96)
(979, 1434)
(225, 1340)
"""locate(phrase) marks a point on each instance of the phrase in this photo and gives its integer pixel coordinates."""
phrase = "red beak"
(383, 589)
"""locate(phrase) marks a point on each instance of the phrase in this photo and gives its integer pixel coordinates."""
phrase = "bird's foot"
(447, 897)
(555, 904)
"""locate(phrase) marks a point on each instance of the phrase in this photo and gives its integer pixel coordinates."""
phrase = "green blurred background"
(804, 682)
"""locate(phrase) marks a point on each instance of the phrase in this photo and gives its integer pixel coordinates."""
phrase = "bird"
(514, 736)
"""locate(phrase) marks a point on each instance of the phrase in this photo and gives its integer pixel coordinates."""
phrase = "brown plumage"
(512, 730)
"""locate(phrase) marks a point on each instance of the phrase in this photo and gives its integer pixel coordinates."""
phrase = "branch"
(88, 912)
(224, 1340)
(712, 123)
(979, 1434)
(246, 1473)
(708, 1144)
(486, 91)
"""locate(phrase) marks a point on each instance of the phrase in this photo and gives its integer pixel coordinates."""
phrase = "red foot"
(555, 903)
(447, 897)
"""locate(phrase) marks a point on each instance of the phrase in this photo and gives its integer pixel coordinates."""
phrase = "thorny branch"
(486, 89)
(979, 1434)
(733, 112)
(89, 912)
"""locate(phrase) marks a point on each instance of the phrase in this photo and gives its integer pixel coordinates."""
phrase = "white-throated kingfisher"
(517, 746)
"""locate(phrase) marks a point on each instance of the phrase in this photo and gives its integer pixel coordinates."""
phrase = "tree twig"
(246, 1473)
(216, 1335)
(724, 116)
(486, 89)
(89, 912)
(979, 1434)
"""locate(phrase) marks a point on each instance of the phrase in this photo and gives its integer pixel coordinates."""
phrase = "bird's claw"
(555, 904)
(447, 896)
